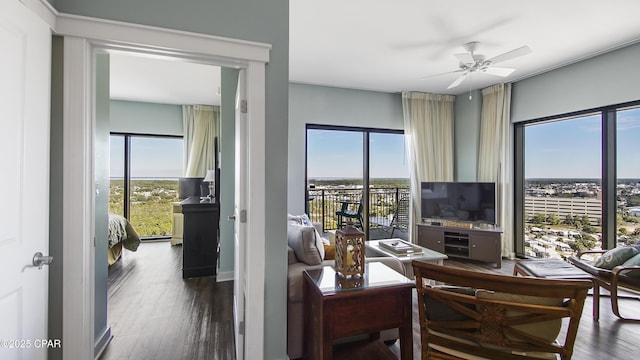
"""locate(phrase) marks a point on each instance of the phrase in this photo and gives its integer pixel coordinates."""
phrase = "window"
(144, 181)
(579, 182)
(628, 176)
(355, 165)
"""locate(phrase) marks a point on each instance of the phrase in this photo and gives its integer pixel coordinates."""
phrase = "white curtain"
(495, 156)
(201, 124)
(428, 130)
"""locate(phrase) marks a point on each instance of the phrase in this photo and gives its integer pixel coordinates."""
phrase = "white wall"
(321, 105)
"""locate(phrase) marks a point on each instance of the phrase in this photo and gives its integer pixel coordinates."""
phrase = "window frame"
(127, 172)
(608, 116)
(366, 132)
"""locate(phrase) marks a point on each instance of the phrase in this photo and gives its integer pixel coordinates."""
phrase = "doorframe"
(83, 38)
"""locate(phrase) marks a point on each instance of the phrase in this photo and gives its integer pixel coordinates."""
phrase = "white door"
(24, 184)
(239, 212)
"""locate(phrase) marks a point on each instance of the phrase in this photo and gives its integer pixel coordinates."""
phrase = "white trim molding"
(78, 203)
(83, 37)
(43, 9)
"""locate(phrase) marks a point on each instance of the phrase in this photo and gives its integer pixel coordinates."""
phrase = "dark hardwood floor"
(155, 314)
(608, 338)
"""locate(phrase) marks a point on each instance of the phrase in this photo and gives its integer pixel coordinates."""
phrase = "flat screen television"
(191, 186)
(459, 201)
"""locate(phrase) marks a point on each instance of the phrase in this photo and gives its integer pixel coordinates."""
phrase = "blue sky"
(572, 148)
(338, 154)
(150, 157)
(561, 149)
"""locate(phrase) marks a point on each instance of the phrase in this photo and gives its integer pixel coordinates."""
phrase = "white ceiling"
(392, 45)
(154, 80)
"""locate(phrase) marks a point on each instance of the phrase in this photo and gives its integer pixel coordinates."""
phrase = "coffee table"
(427, 255)
(336, 307)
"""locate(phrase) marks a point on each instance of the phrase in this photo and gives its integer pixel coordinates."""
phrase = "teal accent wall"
(55, 198)
(145, 118)
(229, 80)
(254, 20)
(102, 332)
(323, 105)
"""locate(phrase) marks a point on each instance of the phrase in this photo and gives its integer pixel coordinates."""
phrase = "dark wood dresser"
(200, 237)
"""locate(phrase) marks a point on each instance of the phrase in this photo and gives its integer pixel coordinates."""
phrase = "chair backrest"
(401, 216)
(496, 316)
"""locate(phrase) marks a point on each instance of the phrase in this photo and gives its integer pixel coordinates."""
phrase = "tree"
(583, 243)
(569, 220)
(538, 218)
(553, 219)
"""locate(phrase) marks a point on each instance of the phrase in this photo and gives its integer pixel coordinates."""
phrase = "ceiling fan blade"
(499, 71)
(521, 51)
(465, 58)
(444, 73)
(458, 81)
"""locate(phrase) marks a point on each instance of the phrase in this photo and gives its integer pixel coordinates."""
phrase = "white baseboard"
(224, 276)
(102, 341)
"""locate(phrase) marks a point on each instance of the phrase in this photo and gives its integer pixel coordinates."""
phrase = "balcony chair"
(618, 276)
(400, 219)
(488, 316)
(350, 209)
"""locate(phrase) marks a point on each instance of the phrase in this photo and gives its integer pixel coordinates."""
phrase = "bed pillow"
(615, 257)
(547, 330)
(304, 242)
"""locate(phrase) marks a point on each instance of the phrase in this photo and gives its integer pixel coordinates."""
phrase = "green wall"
(323, 105)
(254, 20)
(145, 118)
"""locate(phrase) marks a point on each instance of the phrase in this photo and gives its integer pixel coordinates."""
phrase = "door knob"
(231, 218)
(39, 260)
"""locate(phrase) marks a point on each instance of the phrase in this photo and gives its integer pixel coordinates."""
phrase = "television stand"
(466, 242)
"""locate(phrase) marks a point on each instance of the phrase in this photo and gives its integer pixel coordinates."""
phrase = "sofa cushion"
(305, 243)
(291, 255)
(615, 257)
(547, 330)
(633, 261)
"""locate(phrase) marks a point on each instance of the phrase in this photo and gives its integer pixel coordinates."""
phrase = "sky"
(339, 154)
(151, 157)
(561, 149)
(572, 148)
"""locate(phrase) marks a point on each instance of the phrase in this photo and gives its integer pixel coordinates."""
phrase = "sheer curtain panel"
(201, 124)
(428, 129)
(495, 155)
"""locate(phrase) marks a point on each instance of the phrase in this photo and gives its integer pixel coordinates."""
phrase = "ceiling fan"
(471, 62)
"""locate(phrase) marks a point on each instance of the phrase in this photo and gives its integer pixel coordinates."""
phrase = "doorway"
(79, 124)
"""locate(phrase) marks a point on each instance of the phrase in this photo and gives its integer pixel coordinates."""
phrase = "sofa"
(295, 322)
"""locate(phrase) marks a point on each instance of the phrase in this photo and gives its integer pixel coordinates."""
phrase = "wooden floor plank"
(155, 314)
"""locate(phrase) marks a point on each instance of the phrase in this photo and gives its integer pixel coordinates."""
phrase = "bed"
(121, 234)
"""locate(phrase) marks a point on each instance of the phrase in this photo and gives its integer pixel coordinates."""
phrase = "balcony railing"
(324, 202)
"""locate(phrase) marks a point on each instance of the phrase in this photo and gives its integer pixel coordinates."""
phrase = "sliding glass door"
(144, 181)
(360, 172)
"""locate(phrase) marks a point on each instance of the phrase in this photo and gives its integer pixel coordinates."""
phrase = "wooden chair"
(488, 316)
(618, 277)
